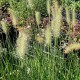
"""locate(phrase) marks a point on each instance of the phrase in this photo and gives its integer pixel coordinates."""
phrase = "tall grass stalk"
(55, 25)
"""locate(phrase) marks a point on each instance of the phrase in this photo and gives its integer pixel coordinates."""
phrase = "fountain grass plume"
(55, 5)
(71, 47)
(30, 3)
(48, 35)
(4, 26)
(37, 16)
(73, 15)
(39, 39)
(67, 15)
(56, 19)
(48, 7)
(13, 16)
(22, 42)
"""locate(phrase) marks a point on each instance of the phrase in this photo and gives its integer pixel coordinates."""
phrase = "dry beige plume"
(55, 5)
(67, 15)
(73, 15)
(53, 12)
(39, 39)
(4, 26)
(56, 19)
(12, 14)
(30, 3)
(37, 16)
(71, 47)
(48, 7)
(22, 42)
(48, 35)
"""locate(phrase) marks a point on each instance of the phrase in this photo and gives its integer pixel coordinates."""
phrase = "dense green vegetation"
(41, 56)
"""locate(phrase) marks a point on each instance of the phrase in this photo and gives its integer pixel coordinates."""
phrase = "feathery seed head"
(12, 14)
(48, 35)
(56, 6)
(37, 16)
(67, 15)
(4, 26)
(71, 47)
(39, 39)
(56, 22)
(30, 3)
(22, 43)
(48, 7)
(73, 15)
